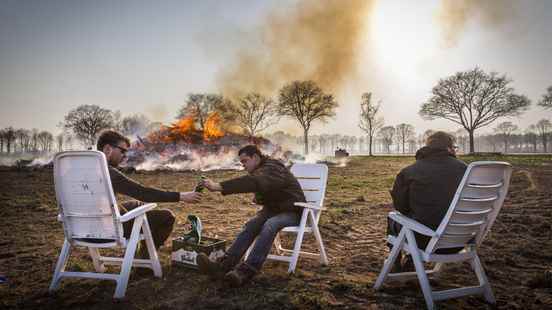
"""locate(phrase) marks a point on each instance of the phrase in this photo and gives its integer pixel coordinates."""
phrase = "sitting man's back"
(424, 190)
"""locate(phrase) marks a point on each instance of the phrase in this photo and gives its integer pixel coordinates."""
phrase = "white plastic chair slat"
(487, 199)
(464, 228)
(469, 216)
(87, 215)
(483, 211)
(497, 185)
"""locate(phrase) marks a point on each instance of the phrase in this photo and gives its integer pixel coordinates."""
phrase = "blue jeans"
(264, 226)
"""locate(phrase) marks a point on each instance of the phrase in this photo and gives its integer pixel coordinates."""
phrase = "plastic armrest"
(308, 205)
(412, 224)
(138, 211)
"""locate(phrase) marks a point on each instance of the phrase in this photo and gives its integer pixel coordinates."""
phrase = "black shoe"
(242, 274)
(207, 266)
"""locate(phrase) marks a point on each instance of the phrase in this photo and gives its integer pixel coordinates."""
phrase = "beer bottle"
(259, 198)
(199, 187)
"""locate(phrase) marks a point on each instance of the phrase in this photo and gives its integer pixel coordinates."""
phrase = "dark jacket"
(274, 182)
(123, 185)
(424, 190)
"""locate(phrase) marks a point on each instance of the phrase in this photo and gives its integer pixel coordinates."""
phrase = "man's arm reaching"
(126, 186)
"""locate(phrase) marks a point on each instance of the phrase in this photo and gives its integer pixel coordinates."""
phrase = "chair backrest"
(475, 205)
(313, 179)
(85, 197)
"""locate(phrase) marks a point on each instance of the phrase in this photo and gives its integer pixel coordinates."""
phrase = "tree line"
(471, 99)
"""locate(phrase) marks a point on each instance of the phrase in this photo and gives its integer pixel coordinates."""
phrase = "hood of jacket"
(429, 152)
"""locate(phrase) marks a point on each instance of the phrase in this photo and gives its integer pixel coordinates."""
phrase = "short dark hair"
(250, 150)
(110, 137)
(440, 140)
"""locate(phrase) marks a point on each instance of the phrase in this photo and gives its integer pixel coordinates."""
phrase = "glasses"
(122, 149)
(455, 147)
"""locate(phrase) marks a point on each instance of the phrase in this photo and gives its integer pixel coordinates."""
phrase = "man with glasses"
(424, 190)
(115, 146)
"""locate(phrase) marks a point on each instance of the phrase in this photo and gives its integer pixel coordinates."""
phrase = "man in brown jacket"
(115, 146)
(423, 191)
(277, 190)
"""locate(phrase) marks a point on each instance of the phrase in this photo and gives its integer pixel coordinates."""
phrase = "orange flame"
(183, 127)
(211, 128)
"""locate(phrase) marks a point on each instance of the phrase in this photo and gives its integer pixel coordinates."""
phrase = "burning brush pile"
(190, 144)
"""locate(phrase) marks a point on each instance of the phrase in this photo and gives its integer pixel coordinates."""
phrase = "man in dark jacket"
(277, 190)
(115, 146)
(424, 190)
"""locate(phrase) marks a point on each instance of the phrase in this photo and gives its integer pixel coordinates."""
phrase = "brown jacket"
(274, 182)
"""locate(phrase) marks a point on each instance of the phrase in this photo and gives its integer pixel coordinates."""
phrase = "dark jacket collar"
(428, 152)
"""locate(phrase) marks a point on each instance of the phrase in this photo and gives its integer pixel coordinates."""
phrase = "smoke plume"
(316, 40)
(454, 15)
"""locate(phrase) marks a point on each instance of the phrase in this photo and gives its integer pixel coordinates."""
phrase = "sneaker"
(209, 267)
(242, 274)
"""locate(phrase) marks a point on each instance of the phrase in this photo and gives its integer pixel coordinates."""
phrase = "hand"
(190, 197)
(211, 185)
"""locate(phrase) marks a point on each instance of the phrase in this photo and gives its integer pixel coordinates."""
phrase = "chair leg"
(95, 254)
(298, 242)
(153, 257)
(388, 263)
(122, 280)
(420, 269)
(483, 281)
(316, 232)
(60, 265)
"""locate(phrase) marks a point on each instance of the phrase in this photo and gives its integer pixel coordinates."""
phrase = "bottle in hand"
(199, 187)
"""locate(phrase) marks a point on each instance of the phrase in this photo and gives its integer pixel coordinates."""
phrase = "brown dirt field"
(515, 254)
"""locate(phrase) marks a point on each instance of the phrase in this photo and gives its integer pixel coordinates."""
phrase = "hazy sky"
(146, 56)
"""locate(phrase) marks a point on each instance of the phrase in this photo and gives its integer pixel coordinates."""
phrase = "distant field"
(516, 252)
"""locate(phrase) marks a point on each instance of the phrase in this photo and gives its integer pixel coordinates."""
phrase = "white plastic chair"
(313, 179)
(88, 210)
(470, 216)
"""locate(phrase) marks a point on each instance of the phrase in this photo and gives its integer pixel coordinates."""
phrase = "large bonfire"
(188, 145)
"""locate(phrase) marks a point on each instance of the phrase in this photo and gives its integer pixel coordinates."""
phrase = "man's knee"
(167, 217)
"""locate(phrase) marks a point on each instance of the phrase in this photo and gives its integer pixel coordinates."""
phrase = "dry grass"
(518, 249)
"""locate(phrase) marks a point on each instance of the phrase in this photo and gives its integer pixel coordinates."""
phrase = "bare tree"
(306, 102)
(255, 113)
(23, 137)
(2, 139)
(34, 140)
(505, 131)
(9, 138)
(200, 106)
(544, 127)
(531, 136)
(60, 138)
(87, 121)
(136, 124)
(387, 134)
(546, 100)
(473, 99)
(370, 122)
(404, 133)
(45, 141)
